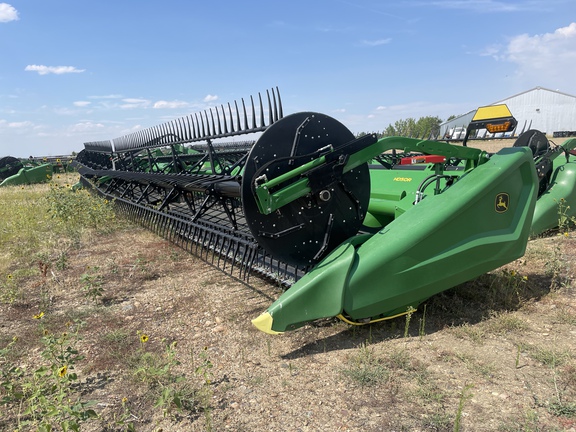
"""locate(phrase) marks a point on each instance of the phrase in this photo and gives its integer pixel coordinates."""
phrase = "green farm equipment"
(14, 171)
(355, 227)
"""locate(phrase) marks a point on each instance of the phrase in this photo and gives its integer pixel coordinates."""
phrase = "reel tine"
(203, 131)
(196, 127)
(245, 116)
(231, 118)
(250, 262)
(177, 129)
(262, 123)
(275, 106)
(188, 246)
(167, 131)
(200, 245)
(241, 268)
(214, 242)
(182, 129)
(238, 123)
(218, 121)
(224, 120)
(202, 125)
(189, 136)
(270, 114)
(208, 131)
(253, 113)
(172, 127)
(159, 133)
(217, 248)
(281, 113)
(227, 254)
(219, 253)
(234, 255)
(194, 240)
(213, 131)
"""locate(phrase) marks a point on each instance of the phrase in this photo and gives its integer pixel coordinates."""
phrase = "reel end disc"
(305, 230)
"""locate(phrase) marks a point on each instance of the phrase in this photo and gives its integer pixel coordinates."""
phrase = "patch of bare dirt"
(486, 356)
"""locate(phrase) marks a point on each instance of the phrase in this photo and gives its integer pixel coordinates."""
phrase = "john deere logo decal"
(502, 201)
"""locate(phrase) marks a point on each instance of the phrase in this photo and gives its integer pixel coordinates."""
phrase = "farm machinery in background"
(15, 171)
(356, 227)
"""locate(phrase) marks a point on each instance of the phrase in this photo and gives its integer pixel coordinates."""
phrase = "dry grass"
(495, 354)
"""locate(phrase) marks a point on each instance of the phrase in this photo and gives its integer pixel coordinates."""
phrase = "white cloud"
(210, 98)
(16, 125)
(57, 70)
(129, 130)
(82, 104)
(20, 125)
(86, 126)
(170, 104)
(541, 50)
(131, 103)
(8, 13)
(376, 42)
(547, 59)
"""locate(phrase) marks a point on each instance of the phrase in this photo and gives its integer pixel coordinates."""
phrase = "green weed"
(505, 322)
(409, 314)
(92, 284)
(9, 290)
(78, 210)
(171, 390)
(48, 396)
(366, 369)
(547, 357)
(565, 221)
(464, 396)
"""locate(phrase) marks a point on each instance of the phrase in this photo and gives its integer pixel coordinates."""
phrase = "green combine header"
(363, 229)
(15, 172)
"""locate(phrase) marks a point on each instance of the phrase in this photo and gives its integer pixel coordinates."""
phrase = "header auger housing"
(360, 228)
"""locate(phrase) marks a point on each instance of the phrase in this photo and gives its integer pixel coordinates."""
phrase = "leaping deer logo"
(502, 202)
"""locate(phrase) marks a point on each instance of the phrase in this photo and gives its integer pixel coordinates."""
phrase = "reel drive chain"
(306, 229)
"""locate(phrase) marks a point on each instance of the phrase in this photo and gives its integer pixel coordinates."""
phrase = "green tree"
(428, 127)
(425, 127)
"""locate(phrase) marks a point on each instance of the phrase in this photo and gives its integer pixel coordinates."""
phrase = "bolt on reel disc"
(303, 231)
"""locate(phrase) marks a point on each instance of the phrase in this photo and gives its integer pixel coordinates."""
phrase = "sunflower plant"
(46, 397)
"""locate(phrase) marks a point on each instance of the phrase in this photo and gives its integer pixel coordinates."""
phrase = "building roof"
(531, 90)
(464, 119)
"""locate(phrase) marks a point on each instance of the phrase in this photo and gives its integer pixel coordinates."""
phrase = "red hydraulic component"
(422, 159)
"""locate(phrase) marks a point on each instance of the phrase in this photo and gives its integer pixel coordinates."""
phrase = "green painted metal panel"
(478, 224)
(559, 201)
(38, 174)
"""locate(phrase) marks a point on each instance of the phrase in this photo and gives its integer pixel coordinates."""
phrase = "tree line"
(424, 127)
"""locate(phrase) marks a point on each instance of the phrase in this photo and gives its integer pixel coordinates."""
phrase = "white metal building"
(546, 110)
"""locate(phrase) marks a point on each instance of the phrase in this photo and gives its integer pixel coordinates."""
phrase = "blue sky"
(74, 71)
